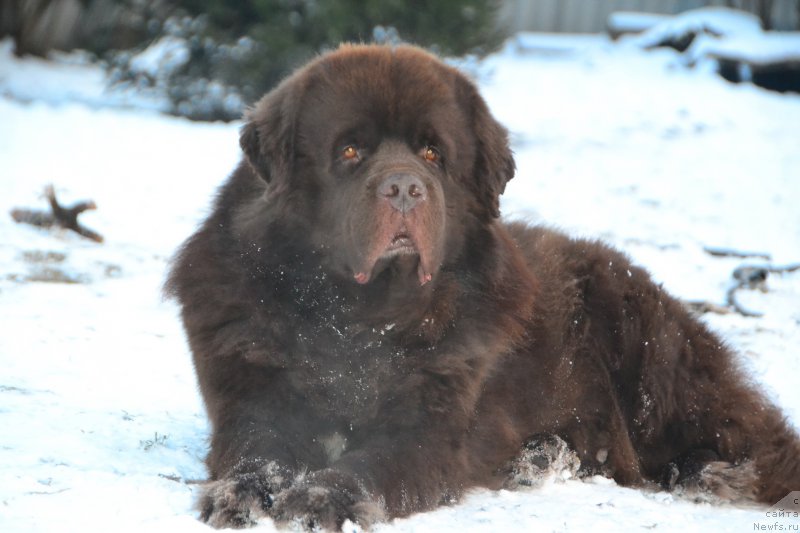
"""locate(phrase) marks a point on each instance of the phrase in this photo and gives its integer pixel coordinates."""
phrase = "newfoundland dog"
(371, 339)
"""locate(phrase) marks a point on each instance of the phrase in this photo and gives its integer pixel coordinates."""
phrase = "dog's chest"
(345, 371)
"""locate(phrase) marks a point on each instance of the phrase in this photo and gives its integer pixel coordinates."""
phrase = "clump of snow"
(716, 21)
(162, 56)
(103, 427)
(731, 42)
(754, 49)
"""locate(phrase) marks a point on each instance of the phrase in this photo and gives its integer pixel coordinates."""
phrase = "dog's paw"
(236, 502)
(543, 457)
(324, 500)
(700, 476)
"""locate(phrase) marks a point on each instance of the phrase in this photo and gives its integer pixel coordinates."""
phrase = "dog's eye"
(350, 153)
(431, 154)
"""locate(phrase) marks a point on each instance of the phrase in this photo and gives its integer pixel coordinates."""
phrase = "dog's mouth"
(401, 244)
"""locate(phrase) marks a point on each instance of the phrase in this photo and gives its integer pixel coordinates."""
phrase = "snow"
(103, 427)
(75, 80)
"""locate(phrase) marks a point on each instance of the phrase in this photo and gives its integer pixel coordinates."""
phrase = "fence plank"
(589, 16)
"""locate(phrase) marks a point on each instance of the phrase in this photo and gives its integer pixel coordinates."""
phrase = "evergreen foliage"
(238, 50)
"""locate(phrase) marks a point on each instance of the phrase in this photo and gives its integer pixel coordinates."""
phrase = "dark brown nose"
(404, 191)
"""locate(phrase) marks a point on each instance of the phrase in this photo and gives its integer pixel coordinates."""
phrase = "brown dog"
(370, 339)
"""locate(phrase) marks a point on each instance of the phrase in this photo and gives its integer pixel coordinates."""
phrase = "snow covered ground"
(102, 425)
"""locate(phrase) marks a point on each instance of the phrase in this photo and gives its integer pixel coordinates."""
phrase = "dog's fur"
(370, 339)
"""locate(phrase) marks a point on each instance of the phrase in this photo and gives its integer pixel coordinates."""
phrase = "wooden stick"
(64, 217)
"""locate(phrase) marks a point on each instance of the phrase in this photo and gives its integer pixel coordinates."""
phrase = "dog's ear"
(494, 162)
(267, 138)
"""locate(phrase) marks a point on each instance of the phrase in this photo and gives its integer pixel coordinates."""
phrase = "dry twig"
(64, 217)
(745, 277)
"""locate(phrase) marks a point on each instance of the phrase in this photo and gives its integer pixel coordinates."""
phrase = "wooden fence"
(589, 16)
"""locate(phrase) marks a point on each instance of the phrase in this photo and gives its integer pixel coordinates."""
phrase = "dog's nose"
(404, 191)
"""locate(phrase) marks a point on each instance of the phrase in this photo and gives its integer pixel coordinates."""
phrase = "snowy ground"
(102, 425)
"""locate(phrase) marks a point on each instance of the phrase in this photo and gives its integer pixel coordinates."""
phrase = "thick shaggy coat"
(371, 339)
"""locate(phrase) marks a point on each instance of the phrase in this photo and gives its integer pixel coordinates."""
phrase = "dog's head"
(386, 154)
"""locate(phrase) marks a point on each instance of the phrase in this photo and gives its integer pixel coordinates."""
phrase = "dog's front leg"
(410, 457)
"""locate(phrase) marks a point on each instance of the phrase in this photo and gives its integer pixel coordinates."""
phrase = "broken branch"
(64, 217)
